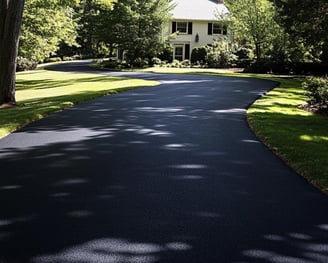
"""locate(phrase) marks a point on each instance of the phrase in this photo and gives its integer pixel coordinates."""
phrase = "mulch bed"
(315, 108)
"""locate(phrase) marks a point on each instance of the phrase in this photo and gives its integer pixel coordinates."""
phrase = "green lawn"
(42, 92)
(300, 138)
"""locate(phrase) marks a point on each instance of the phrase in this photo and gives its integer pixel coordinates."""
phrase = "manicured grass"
(42, 92)
(300, 138)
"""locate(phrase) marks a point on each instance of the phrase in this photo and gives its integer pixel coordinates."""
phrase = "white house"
(197, 23)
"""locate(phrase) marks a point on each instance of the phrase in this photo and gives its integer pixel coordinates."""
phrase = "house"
(196, 23)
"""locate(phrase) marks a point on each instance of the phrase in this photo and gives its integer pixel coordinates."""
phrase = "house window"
(217, 29)
(182, 27)
(178, 52)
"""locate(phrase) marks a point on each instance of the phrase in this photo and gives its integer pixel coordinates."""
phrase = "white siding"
(200, 28)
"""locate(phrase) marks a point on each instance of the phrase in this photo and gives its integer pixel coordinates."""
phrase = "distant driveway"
(168, 174)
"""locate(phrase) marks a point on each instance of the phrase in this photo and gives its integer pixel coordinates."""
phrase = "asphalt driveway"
(168, 174)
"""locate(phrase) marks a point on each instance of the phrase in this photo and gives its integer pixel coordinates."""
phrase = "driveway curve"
(168, 174)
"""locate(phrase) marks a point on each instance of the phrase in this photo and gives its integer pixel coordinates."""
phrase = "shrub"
(156, 61)
(310, 68)
(140, 62)
(198, 55)
(259, 66)
(176, 63)
(316, 90)
(111, 64)
(185, 63)
(24, 64)
(244, 57)
(53, 59)
(166, 54)
(220, 59)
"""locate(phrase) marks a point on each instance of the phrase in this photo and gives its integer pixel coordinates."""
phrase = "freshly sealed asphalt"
(168, 174)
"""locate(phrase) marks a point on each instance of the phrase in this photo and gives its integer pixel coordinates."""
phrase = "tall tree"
(11, 12)
(94, 24)
(44, 28)
(254, 23)
(306, 21)
(135, 26)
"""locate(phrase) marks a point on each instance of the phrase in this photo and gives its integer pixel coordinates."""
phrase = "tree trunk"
(11, 12)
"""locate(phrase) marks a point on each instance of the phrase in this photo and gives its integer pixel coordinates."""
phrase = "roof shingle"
(198, 10)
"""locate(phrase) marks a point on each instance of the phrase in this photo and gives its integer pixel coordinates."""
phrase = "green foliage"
(25, 64)
(136, 26)
(254, 24)
(94, 27)
(244, 56)
(156, 61)
(297, 136)
(44, 27)
(140, 62)
(307, 22)
(316, 91)
(218, 55)
(198, 55)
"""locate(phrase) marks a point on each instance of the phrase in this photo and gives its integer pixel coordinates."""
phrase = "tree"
(135, 26)
(307, 22)
(44, 28)
(11, 12)
(94, 23)
(253, 22)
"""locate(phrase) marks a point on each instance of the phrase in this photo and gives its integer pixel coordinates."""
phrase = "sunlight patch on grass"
(297, 136)
(313, 138)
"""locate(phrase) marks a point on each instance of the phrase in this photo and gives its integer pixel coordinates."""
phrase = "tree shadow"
(146, 176)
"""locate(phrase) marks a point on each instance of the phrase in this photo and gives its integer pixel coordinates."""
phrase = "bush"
(111, 64)
(140, 63)
(24, 64)
(166, 54)
(309, 68)
(198, 55)
(176, 63)
(115, 64)
(259, 66)
(185, 63)
(53, 59)
(316, 91)
(156, 61)
(244, 57)
(220, 59)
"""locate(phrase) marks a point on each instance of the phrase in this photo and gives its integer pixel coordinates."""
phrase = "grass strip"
(298, 137)
(42, 92)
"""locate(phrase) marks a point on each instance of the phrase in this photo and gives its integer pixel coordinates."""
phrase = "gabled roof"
(198, 9)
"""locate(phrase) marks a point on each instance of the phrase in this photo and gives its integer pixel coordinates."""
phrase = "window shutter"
(187, 51)
(174, 27)
(190, 28)
(210, 29)
(225, 30)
